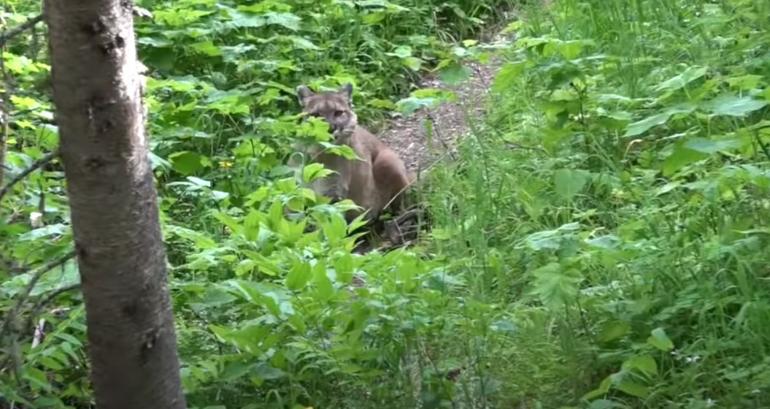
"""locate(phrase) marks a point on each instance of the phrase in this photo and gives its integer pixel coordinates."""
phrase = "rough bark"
(99, 111)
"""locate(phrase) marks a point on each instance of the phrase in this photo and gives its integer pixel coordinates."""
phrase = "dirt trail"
(418, 143)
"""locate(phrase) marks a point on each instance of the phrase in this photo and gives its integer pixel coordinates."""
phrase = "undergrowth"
(615, 204)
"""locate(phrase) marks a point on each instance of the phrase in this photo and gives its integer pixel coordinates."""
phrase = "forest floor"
(431, 134)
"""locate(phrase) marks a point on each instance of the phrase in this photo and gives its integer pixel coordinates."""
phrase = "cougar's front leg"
(340, 188)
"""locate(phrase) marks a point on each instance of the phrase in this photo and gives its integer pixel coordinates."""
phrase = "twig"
(4, 37)
(37, 338)
(40, 328)
(35, 278)
(34, 166)
(50, 297)
(762, 145)
(4, 118)
(413, 181)
(437, 131)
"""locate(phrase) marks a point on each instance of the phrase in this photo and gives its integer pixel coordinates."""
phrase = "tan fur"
(372, 181)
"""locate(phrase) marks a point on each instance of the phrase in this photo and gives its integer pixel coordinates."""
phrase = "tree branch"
(35, 278)
(7, 35)
(34, 166)
(48, 298)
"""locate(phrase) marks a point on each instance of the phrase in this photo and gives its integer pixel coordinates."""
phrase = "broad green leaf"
(642, 126)
(660, 340)
(267, 372)
(642, 363)
(37, 378)
(633, 388)
(323, 285)
(679, 81)
(614, 330)
(313, 171)
(605, 404)
(601, 390)
(424, 98)
(609, 241)
(732, 105)
(299, 275)
(246, 338)
(207, 48)
(413, 63)
(680, 158)
(454, 74)
(402, 51)
(551, 239)
(709, 146)
(569, 182)
(187, 163)
(247, 20)
(507, 75)
(554, 286)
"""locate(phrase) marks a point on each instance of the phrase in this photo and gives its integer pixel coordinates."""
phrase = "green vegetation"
(602, 241)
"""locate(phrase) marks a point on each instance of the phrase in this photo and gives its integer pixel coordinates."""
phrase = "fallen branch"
(6, 36)
(25, 294)
(34, 166)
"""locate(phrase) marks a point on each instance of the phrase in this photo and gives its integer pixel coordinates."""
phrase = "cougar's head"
(334, 107)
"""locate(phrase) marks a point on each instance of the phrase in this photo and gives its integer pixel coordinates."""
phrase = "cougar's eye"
(338, 113)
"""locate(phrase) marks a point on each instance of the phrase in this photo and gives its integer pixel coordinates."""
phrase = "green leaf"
(614, 330)
(402, 51)
(732, 105)
(550, 239)
(207, 48)
(605, 404)
(680, 158)
(553, 286)
(679, 81)
(643, 364)
(507, 76)
(248, 20)
(642, 126)
(633, 388)
(37, 378)
(569, 182)
(424, 98)
(246, 338)
(323, 285)
(660, 340)
(709, 146)
(454, 74)
(602, 389)
(299, 275)
(413, 63)
(267, 372)
(315, 171)
(187, 163)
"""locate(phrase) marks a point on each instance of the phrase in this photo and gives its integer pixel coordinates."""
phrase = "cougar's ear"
(303, 93)
(347, 91)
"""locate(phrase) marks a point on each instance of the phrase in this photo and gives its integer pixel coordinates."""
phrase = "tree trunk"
(99, 111)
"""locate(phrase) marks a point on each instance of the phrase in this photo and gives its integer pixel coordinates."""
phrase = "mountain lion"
(377, 178)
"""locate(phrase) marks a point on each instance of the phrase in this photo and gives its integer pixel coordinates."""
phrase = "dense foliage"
(601, 242)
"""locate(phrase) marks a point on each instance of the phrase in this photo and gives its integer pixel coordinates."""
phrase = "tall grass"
(614, 205)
